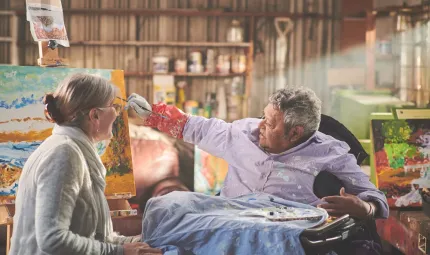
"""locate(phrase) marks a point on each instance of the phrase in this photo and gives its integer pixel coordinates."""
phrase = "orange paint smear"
(25, 137)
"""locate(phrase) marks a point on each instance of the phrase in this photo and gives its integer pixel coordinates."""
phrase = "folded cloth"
(184, 222)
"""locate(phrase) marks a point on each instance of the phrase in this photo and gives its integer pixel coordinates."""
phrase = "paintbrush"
(143, 108)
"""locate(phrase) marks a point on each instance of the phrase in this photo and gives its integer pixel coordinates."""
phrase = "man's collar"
(299, 146)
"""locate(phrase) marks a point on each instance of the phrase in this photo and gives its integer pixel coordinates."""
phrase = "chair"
(327, 237)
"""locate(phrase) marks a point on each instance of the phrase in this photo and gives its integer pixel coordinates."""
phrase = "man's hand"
(139, 103)
(346, 204)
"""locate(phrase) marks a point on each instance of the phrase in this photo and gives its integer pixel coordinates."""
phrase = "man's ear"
(296, 133)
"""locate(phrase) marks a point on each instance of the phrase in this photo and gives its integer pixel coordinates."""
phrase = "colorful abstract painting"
(23, 126)
(402, 152)
(209, 172)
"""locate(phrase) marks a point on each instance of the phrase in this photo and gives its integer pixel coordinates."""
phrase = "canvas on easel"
(401, 159)
(24, 127)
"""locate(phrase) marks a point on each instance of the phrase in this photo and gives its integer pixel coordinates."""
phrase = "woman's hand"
(138, 102)
(139, 249)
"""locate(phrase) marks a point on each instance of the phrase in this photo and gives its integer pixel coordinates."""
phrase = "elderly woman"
(60, 205)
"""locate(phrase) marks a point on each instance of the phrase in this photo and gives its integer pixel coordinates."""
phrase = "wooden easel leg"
(8, 237)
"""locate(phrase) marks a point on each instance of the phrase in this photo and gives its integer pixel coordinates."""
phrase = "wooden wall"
(310, 44)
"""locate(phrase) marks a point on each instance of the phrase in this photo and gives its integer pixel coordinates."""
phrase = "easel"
(6, 213)
(48, 57)
(119, 205)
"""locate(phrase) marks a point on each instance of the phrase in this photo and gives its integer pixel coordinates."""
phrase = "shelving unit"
(146, 74)
(158, 44)
(414, 85)
(192, 13)
(11, 49)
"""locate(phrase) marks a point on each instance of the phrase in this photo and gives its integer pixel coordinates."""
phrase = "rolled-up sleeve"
(211, 135)
(356, 182)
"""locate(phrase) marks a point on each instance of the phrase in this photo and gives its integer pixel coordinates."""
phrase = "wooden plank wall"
(5, 53)
(309, 44)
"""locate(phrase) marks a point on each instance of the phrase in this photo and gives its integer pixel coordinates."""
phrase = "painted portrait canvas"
(23, 126)
(209, 172)
(402, 152)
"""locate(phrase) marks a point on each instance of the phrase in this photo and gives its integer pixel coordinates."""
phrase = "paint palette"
(285, 213)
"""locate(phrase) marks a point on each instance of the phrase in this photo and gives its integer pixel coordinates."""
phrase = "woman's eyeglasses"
(118, 107)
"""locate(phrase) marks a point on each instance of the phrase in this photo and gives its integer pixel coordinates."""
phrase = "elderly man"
(280, 154)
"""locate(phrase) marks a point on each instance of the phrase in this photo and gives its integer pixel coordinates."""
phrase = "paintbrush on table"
(143, 108)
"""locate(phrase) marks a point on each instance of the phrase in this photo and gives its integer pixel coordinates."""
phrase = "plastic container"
(235, 32)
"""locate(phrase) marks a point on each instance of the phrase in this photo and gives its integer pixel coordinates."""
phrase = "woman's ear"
(93, 114)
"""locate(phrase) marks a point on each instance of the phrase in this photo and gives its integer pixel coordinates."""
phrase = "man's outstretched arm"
(211, 135)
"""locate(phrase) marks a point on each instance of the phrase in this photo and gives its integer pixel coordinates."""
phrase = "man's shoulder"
(332, 143)
(248, 126)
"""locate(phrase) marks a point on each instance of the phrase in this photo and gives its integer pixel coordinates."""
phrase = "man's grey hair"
(301, 107)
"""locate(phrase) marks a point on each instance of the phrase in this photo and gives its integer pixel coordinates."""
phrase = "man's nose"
(261, 124)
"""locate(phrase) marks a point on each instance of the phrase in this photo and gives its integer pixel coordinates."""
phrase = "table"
(408, 231)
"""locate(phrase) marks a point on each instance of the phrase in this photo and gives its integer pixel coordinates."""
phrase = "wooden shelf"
(157, 43)
(386, 57)
(148, 74)
(6, 39)
(7, 13)
(190, 12)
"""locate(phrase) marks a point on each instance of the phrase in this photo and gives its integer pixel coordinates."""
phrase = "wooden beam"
(370, 50)
(7, 13)
(149, 74)
(190, 12)
(156, 43)
(14, 56)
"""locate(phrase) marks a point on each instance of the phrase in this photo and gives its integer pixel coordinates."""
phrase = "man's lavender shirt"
(289, 175)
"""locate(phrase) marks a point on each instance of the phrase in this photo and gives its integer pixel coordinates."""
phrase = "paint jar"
(238, 63)
(114, 213)
(196, 65)
(210, 61)
(160, 64)
(180, 66)
(223, 64)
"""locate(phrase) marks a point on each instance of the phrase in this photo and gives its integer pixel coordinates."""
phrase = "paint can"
(196, 62)
(160, 64)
